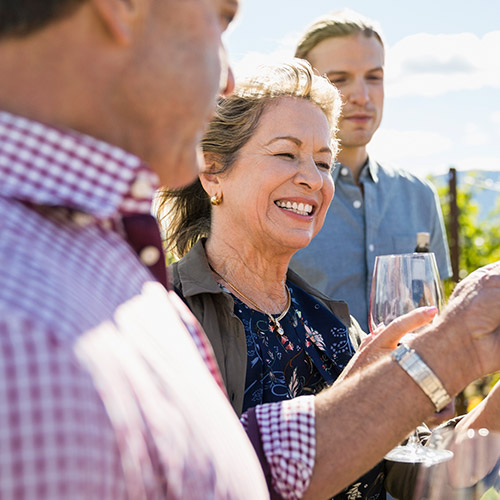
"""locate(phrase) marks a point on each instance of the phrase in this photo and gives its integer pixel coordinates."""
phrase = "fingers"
(386, 338)
(379, 328)
(392, 334)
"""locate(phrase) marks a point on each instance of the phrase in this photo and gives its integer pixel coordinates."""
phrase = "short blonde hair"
(337, 24)
(235, 121)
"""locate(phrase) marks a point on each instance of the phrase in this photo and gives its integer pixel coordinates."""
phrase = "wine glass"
(402, 283)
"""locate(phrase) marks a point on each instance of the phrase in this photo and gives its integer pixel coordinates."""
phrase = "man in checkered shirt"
(108, 388)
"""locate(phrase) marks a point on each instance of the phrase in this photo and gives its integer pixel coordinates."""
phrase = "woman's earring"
(216, 200)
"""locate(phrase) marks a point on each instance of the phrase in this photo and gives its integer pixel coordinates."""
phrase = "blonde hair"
(337, 24)
(236, 118)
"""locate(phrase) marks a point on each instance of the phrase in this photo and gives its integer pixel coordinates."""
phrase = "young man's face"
(355, 64)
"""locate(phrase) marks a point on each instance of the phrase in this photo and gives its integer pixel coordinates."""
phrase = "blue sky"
(442, 73)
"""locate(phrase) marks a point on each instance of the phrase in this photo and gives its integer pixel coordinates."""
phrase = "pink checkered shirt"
(103, 393)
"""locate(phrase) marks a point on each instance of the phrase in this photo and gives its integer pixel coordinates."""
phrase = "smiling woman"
(279, 186)
(262, 196)
(287, 140)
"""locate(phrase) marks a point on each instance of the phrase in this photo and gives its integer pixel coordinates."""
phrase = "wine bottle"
(418, 268)
(423, 242)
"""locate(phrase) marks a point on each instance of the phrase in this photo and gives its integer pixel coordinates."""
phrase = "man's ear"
(118, 17)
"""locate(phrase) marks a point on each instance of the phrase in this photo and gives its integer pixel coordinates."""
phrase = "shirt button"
(344, 171)
(371, 247)
(149, 255)
(106, 224)
(142, 187)
(356, 204)
(82, 219)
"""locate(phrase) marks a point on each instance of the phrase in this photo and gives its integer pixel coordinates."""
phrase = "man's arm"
(363, 416)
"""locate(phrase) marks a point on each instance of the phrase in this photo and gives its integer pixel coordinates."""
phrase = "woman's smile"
(294, 207)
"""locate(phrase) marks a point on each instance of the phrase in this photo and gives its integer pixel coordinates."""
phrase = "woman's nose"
(309, 175)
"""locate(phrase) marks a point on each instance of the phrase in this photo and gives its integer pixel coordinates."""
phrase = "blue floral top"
(309, 356)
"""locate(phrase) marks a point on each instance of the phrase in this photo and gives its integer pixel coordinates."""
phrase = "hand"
(385, 338)
(471, 320)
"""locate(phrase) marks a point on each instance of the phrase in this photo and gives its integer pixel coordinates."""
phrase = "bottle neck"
(423, 242)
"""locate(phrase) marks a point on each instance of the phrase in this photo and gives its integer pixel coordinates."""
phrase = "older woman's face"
(277, 193)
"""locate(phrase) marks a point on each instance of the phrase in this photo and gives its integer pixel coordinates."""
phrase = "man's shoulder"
(64, 276)
(397, 174)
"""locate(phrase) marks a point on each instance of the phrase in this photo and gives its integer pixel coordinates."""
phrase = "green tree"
(479, 244)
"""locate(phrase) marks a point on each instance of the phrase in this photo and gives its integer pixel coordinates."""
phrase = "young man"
(108, 387)
(377, 209)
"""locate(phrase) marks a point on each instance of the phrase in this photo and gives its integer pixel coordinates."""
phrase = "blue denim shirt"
(395, 206)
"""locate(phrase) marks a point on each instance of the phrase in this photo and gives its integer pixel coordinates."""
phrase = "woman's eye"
(286, 155)
(323, 165)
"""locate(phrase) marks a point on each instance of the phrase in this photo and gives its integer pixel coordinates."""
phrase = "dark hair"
(23, 17)
(187, 211)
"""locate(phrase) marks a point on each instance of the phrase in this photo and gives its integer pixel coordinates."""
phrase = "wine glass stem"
(413, 439)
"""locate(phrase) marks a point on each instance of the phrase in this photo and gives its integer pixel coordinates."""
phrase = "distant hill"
(486, 191)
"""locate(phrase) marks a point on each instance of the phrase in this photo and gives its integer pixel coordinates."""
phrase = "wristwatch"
(426, 379)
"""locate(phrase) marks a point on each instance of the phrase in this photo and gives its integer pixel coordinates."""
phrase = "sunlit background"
(442, 73)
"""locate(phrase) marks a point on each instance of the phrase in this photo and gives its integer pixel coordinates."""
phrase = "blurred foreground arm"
(485, 415)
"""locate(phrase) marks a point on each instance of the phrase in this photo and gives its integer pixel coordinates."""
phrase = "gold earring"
(216, 200)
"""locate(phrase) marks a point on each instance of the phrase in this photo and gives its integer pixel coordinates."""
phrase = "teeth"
(299, 208)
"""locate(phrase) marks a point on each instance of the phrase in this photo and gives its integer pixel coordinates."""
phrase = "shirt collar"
(370, 168)
(44, 165)
(195, 273)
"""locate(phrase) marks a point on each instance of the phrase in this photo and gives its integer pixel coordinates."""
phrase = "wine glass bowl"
(402, 283)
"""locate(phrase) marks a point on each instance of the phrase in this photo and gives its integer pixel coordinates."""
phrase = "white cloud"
(253, 60)
(491, 163)
(495, 117)
(431, 65)
(420, 152)
(400, 147)
(474, 135)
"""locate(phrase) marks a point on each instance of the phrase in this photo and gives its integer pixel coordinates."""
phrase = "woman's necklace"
(275, 321)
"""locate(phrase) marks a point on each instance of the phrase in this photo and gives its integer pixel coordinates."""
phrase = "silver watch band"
(426, 379)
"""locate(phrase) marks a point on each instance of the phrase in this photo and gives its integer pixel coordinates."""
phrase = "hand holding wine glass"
(402, 283)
